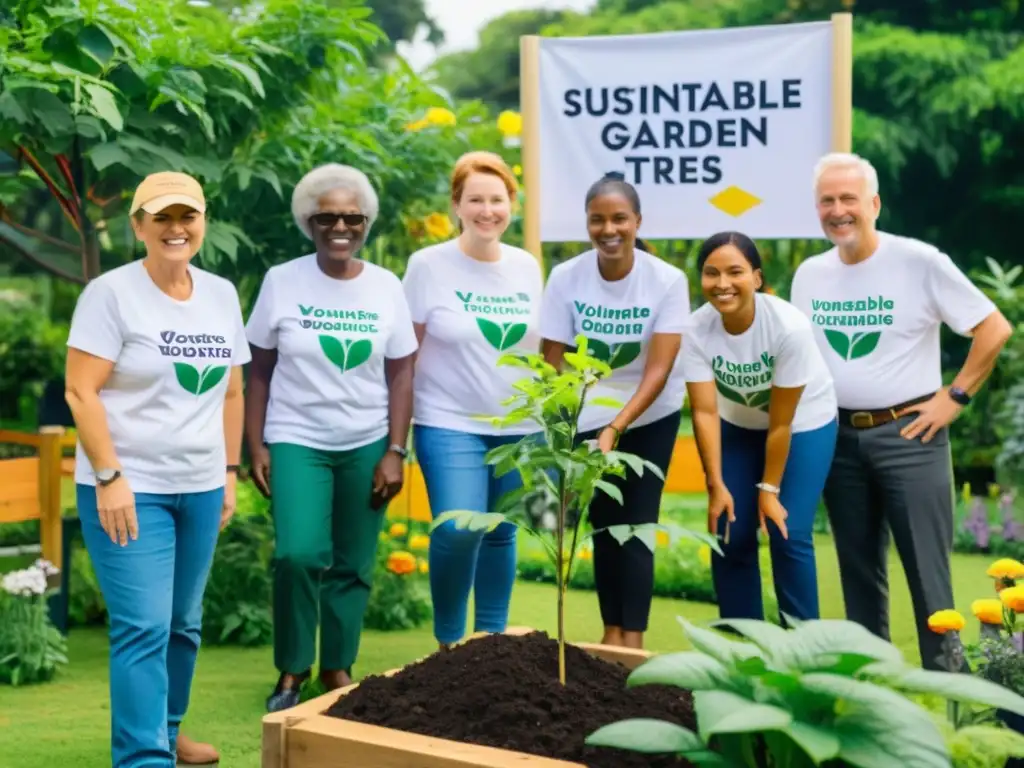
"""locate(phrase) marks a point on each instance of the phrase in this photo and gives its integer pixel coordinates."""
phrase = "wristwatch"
(768, 488)
(959, 396)
(106, 476)
(396, 448)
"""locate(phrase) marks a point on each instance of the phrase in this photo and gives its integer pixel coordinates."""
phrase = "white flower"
(46, 567)
(28, 582)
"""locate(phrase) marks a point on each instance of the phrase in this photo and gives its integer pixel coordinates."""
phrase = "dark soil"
(503, 691)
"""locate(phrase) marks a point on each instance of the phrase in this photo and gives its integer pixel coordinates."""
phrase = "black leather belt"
(869, 419)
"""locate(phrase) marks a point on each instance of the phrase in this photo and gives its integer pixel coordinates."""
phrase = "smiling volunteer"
(473, 299)
(330, 401)
(154, 382)
(764, 417)
(878, 302)
(631, 306)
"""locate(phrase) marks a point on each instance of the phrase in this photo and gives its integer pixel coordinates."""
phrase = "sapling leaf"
(606, 402)
(621, 533)
(608, 488)
(468, 519)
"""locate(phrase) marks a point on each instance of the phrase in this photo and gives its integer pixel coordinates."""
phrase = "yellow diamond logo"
(734, 201)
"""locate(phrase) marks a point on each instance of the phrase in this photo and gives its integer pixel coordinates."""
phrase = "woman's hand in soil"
(260, 469)
(230, 498)
(388, 476)
(719, 503)
(116, 505)
(770, 508)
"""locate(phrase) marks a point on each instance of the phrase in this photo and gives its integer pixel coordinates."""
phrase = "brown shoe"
(333, 679)
(195, 752)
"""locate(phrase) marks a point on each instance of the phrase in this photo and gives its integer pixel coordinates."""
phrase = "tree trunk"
(90, 242)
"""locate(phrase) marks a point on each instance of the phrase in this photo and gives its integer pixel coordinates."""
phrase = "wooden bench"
(30, 488)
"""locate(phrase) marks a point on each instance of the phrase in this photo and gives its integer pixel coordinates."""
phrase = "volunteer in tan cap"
(154, 381)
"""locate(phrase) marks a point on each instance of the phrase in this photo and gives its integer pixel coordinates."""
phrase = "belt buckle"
(862, 419)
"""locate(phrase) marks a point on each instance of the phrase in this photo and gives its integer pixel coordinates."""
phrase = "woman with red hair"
(472, 299)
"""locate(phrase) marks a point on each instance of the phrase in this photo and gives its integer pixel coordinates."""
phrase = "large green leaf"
(105, 105)
(719, 712)
(717, 645)
(818, 644)
(877, 727)
(652, 737)
(950, 685)
(688, 670)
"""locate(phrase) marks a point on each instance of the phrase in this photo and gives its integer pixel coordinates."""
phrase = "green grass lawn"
(66, 721)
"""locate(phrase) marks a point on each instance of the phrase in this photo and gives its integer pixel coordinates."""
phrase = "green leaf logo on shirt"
(853, 347)
(759, 398)
(346, 353)
(196, 382)
(503, 336)
(616, 355)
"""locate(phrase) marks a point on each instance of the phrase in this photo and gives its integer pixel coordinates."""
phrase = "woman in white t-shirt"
(631, 306)
(473, 299)
(765, 419)
(327, 422)
(154, 383)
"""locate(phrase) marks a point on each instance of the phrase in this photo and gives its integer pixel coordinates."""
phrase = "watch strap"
(768, 488)
(959, 396)
(400, 450)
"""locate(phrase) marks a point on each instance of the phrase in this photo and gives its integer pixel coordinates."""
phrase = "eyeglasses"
(330, 219)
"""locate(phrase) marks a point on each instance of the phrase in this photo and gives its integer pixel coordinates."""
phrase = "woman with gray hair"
(327, 420)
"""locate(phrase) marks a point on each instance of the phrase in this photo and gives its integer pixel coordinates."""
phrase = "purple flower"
(1013, 530)
(976, 523)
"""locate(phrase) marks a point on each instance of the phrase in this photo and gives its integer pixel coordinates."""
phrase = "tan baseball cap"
(162, 190)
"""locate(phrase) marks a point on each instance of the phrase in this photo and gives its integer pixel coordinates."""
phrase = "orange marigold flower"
(1013, 598)
(401, 563)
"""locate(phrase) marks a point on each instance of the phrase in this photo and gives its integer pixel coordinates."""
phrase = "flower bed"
(31, 648)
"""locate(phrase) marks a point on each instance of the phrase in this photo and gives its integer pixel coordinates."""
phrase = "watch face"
(106, 475)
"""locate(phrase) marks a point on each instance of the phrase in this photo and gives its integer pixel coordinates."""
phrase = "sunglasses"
(330, 219)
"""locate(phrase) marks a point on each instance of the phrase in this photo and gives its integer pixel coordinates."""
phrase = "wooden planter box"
(302, 737)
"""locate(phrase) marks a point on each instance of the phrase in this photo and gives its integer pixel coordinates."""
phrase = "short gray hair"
(848, 160)
(327, 178)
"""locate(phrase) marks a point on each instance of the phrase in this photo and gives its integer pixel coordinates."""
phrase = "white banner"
(717, 129)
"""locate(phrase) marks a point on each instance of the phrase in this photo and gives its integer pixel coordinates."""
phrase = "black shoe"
(285, 698)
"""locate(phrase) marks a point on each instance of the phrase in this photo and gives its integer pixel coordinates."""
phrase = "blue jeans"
(457, 477)
(737, 576)
(153, 588)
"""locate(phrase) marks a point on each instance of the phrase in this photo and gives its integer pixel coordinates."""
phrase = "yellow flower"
(419, 542)
(517, 169)
(424, 566)
(586, 554)
(945, 621)
(1013, 598)
(397, 530)
(440, 116)
(988, 611)
(1006, 568)
(401, 563)
(704, 555)
(417, 125)
(510, 123)
(438, 225)
(661, 538)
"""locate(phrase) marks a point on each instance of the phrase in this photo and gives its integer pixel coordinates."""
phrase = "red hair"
(481, 162)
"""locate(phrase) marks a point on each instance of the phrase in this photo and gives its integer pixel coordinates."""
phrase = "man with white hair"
(877, 302)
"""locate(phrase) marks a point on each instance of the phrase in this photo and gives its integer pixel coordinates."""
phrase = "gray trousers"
(882, 484)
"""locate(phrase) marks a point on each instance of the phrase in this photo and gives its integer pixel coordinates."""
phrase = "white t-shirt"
(329, 389)
(474, 312)
(878, 321)
(172, 362)
(777, 350)
(618, 318)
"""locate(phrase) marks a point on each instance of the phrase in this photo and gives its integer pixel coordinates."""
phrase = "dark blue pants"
(737, 575)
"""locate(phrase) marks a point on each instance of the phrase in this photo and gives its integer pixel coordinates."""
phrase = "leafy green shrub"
(85, 599)
(31, 648)
(400, 598)
(31, 353)
(237, 603)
